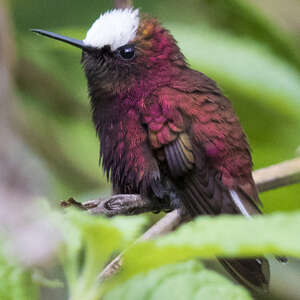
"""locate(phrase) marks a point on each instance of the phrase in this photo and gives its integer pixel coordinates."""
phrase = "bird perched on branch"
(166, 131)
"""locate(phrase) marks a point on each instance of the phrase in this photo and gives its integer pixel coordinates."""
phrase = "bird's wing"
(202, 191)
(172, 131)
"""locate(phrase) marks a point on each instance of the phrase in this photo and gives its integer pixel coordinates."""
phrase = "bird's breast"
(124, 151)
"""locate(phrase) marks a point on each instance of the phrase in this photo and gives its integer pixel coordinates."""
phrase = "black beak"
(73, 42)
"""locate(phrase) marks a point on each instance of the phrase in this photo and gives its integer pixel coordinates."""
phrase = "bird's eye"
(127, 52)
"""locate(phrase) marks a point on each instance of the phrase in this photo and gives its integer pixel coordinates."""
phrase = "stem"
(123, 3)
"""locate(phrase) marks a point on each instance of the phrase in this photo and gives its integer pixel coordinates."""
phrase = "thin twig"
(279, 175)
(165, 225)
(123, 3)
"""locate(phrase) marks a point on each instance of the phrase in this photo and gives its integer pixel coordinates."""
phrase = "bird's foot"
(120, 204)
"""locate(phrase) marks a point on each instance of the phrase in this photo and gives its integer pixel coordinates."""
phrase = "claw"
(72, 202)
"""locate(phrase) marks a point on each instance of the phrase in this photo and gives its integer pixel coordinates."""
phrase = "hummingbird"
(166, 131)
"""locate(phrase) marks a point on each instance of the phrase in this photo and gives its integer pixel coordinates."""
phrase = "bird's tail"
(252, 272)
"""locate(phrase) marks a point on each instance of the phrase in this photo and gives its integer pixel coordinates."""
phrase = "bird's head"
(123, 51)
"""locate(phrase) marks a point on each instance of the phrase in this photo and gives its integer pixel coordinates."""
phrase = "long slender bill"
(65, 39)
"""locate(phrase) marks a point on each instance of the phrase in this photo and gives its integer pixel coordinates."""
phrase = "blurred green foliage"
(15, 282)
(150, 268)
(254, 61)
(189, 280)
(223, 236)
(89, 243)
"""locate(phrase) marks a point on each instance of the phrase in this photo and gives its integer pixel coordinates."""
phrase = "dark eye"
(127, 52)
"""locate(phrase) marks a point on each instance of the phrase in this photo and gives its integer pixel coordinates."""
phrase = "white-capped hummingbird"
(166, 131)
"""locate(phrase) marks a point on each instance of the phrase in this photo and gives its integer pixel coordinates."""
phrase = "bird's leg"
(164, 198)
(122, 204)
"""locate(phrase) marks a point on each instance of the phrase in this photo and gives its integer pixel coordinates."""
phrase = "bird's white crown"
(114, 28)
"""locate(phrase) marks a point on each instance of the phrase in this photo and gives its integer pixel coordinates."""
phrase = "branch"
(123, 3)
(121, 204)
(279, 175)
(165, 225)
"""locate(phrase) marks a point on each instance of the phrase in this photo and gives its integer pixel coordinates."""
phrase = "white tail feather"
(239, 204)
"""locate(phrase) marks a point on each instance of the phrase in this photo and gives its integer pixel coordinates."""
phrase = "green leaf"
(225, 236)
(188, 280)
(89, 243)
(15, 281)
(130, 227)
(242, 17)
